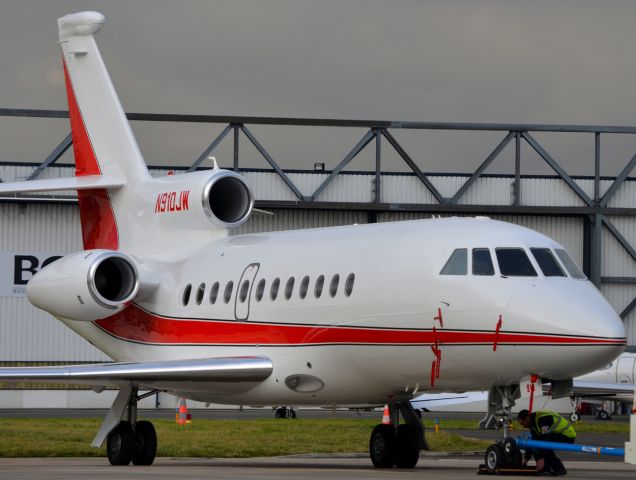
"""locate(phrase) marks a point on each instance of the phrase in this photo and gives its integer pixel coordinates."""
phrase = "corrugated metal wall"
(27, 334)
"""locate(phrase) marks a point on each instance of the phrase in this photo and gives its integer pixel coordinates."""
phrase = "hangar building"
(594, 217)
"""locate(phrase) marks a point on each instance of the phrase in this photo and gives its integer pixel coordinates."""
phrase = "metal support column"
(237, 129)
(517, 185)
(378, 165)
(596, 255)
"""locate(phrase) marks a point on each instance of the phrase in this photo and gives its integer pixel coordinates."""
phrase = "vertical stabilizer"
(94, 104)
(103, 141)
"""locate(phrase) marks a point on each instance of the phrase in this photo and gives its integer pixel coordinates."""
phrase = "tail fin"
(103, 141)
(102, 137)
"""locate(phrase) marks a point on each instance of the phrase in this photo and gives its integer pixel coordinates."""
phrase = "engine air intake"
(227, 199)
(114, 280)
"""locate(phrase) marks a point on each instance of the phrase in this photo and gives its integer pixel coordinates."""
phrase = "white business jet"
(356, 315)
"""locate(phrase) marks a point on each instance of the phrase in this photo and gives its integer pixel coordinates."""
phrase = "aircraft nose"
(566, 314)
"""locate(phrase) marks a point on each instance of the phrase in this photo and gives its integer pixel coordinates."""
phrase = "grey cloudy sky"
(459, 61)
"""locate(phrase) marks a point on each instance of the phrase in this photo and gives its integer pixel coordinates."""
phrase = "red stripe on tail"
(99, 228)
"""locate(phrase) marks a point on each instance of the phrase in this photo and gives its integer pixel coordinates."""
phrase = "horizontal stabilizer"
(223, 369)
(85, 182)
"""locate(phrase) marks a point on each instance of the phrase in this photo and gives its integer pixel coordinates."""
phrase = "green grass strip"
(45, 437)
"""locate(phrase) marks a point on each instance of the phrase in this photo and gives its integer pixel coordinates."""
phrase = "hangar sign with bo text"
(19, 267)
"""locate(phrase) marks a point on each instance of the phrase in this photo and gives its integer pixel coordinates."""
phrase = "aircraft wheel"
(603, 415)
(408, 447)
(494, 458)
(120, 444)
(145, 444)
(292, 413)
(382, 446)
(512, 453)
(574, 417)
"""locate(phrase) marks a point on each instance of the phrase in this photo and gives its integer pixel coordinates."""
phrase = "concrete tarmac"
(294, 467)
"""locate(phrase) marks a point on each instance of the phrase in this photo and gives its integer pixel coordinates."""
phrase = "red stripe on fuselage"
(138, 325)
(99, 228)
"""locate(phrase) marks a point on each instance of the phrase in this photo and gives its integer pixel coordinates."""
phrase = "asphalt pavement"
(279, 468)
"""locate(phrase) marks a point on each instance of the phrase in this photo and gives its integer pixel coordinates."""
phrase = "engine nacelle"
(192, 201)
(227, 199)
(87, 285)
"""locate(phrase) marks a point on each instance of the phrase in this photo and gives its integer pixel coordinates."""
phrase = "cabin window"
(514, 262)
(200, 293)
(214, 292)
(273, 291)
(186, 294)
(289, 288)
(572, 268)
(320, 282)
(349, 284)
(245, 289)
(304, 287)
(547, 263)
(482, 262)
(260, 290)
(227, 295)
(457, 263)
(333, 287)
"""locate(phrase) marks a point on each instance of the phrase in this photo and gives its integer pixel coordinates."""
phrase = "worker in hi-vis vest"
(549, 427)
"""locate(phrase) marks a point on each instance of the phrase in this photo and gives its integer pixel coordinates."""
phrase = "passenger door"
(244, 292)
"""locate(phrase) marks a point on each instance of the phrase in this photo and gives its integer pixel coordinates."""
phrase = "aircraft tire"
(382, 446)
(120, 444)
(145, 443)
(512, 454)
(574, 417)
(494, 458)
(603, 415)
(408, 447)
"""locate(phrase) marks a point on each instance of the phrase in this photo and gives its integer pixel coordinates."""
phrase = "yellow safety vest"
(559, 425)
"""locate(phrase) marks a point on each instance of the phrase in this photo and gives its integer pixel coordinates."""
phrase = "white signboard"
(17, 268)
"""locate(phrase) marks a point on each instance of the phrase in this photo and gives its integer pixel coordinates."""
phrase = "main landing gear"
(503, 454)
(284, 412)
(127, 440)
(398, 445)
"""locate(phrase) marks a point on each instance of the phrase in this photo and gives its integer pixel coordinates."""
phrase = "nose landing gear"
(504, 456)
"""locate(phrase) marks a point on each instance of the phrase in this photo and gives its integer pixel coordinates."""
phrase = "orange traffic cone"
(386, 416)
(182, 415)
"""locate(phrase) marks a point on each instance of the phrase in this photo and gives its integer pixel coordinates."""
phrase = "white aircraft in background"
(613, 382)
(356, 315)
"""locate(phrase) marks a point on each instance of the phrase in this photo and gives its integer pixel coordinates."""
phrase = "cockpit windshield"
(547, 263)
(572, 268)
(514, 262)
(482, 262)
(457, 264)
